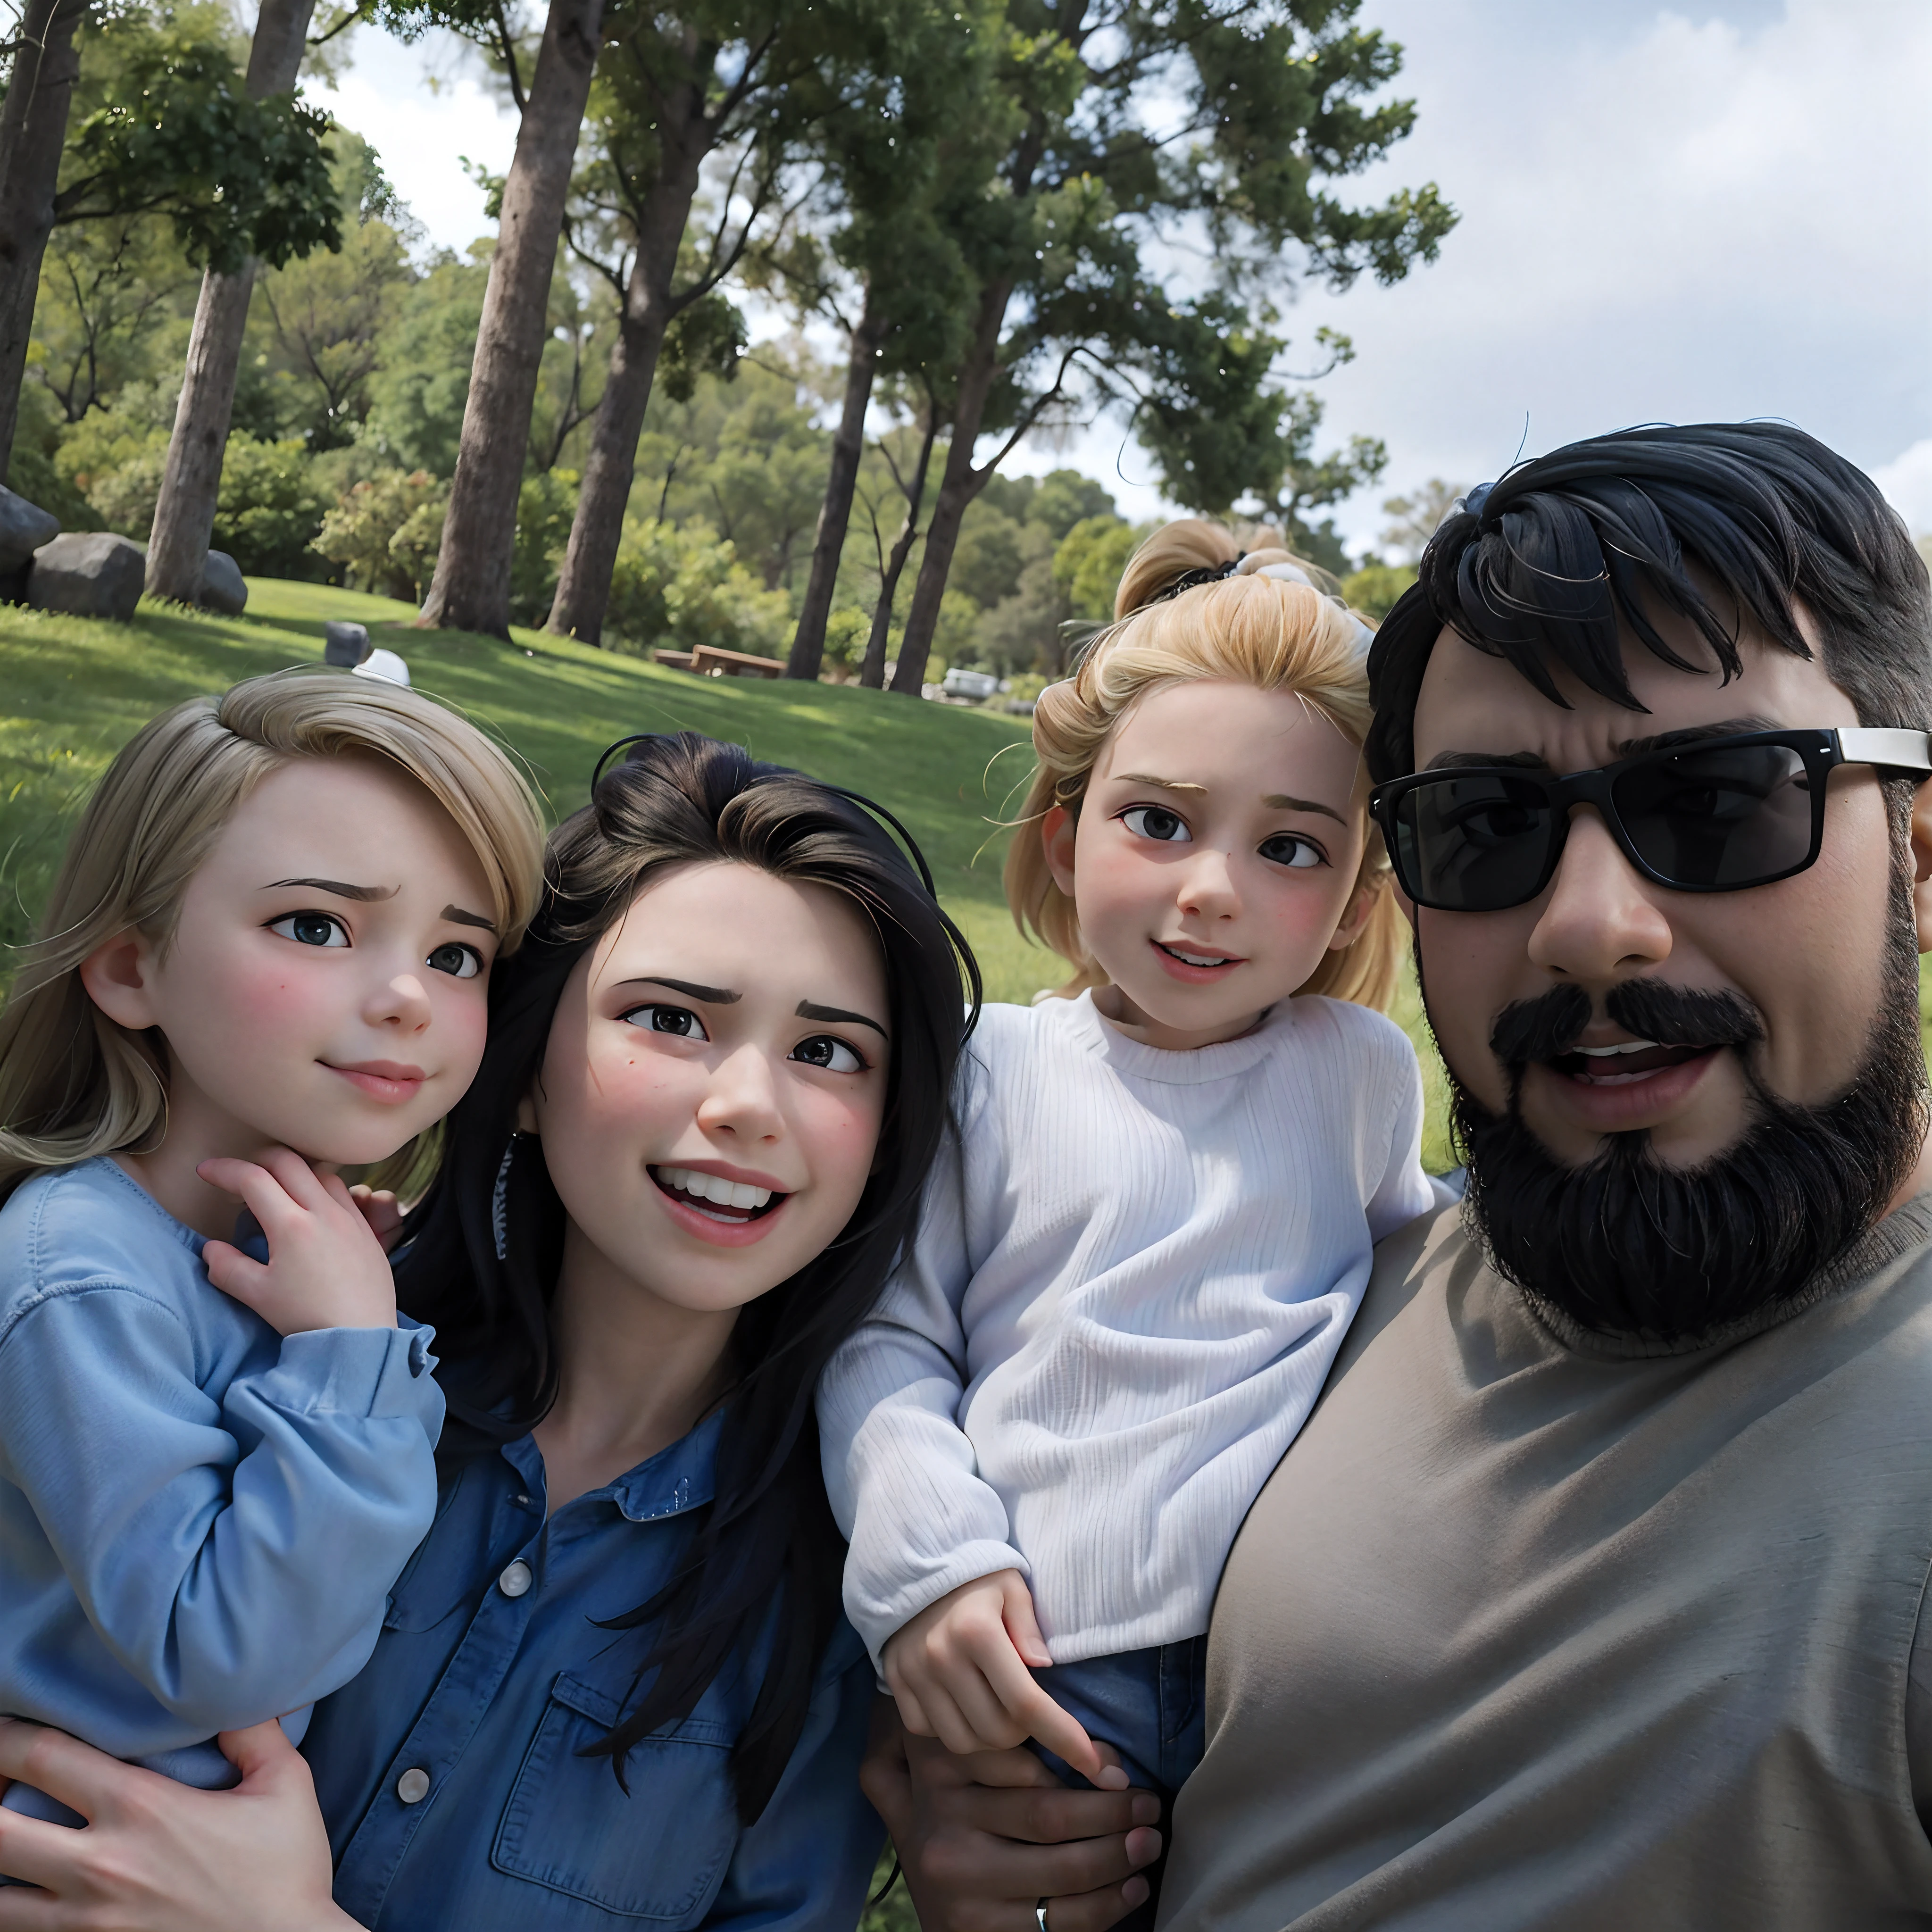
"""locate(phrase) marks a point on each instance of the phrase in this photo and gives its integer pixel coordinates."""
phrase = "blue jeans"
(1151, 1706)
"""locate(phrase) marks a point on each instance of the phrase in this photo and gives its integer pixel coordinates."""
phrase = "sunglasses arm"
(1901, 751)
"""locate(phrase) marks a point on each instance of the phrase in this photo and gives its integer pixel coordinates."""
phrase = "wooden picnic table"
(708, 660)
(672, 660)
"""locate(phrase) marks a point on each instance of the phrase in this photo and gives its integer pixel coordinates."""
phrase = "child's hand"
(326, 1268)
(959, 1670)
(379, 1209)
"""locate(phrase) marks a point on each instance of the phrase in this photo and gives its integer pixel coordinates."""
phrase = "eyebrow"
(711, 996)
(810, 1010)
(342, 891)
(1275, 802)
(1280, 802)
(457, 917)
(1160, 784)
(1624, 748)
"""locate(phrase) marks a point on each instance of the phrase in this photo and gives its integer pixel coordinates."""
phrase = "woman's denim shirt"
(450, 1770)
(199, 1517)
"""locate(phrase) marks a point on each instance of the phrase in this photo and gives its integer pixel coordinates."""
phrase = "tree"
(33, 131)
(916, 140)
(1142, 126)
(1228, 439)
(471, 589)
(191, 484)
(106, 287)
(748, 84)
(327, 314)
(909, 478)
(419, 391)
(164, 129)
(1414, 519)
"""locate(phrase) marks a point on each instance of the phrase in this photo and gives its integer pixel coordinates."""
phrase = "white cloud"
(1907, 484)
(425, 108)
(1665, 220)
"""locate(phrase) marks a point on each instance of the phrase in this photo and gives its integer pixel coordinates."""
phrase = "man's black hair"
(1568, 549)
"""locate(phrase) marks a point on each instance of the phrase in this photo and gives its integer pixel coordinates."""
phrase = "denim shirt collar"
(679, 1477)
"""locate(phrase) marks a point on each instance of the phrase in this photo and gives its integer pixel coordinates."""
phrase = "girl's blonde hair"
(73, 1083)
(1226, 623)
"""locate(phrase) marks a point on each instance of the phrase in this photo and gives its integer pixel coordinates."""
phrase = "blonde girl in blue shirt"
(267, 954)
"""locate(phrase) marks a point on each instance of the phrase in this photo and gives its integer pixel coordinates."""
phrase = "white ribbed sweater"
(1132, 1271)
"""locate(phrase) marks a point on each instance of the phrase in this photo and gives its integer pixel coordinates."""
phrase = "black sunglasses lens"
(1475, 842)
(1714, 821)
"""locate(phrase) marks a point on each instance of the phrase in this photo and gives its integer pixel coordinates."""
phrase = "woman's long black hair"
(769, 1532)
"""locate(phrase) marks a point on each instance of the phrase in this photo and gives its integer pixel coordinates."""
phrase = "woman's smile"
(718, 1206)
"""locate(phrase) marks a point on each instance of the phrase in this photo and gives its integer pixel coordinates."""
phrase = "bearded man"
(1593, 1594)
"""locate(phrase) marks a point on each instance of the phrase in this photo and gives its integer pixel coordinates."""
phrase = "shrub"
(387, 529)
(848, 631)
(271, 508)
(678, 586)
(546, 505)
(1373, 588)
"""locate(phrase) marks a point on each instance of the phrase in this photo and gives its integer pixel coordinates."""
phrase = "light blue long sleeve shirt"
(199, 1518)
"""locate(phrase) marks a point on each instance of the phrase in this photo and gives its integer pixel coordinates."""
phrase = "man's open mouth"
(732, 1202)
(1628, 1060)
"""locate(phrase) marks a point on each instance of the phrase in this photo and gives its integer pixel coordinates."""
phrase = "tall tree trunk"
(872, 672)
(807, 645)
(191, 480)
(33, 131)
(684, 137)
(470, 590)
(957, 488)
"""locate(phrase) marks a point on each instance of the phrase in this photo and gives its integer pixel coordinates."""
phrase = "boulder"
(222, 589)
(90, 574)
(24, 527)
(345, 646)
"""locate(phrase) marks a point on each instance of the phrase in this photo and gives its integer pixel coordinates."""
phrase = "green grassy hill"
(72, 691)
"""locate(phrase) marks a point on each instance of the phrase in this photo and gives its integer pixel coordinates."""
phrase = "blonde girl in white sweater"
(1142, 1251)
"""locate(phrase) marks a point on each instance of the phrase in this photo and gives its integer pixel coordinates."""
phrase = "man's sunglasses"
(1718, 815)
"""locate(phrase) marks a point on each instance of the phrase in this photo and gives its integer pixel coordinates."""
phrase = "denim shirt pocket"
(658, 1855)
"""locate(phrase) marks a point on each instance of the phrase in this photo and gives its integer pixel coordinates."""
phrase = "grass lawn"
(73, 690)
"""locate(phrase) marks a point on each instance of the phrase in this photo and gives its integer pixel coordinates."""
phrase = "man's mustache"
(1549, 1026)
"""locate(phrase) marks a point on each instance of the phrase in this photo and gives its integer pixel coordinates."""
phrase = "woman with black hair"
(615, 1684)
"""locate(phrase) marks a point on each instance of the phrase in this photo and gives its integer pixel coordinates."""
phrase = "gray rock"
(346, 645)
(24, 527)
(87, 574)
(222, 588)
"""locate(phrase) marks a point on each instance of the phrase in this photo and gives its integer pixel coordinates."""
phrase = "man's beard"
(1625, 1245)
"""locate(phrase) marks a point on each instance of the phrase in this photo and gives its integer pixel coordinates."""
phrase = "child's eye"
(679, 1020)
(459, 961)
(311, 929)
(822, 1050)
(1156, 821)
(1286, 849)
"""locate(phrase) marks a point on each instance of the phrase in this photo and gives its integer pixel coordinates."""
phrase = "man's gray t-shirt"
(1533, 1629)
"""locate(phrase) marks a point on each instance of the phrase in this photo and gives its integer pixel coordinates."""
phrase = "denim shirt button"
(412, 1787)
(516, 1579)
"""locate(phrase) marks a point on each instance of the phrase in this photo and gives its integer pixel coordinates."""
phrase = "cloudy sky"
(1715, 209)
